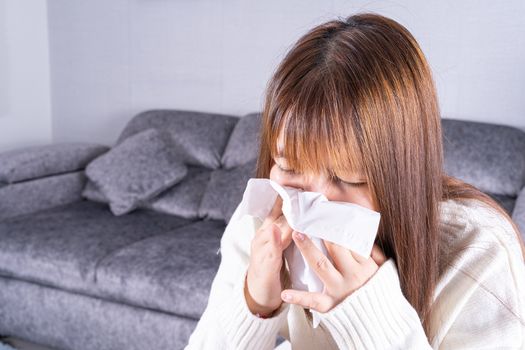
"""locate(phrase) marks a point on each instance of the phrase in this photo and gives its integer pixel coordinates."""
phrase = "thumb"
(378, 255)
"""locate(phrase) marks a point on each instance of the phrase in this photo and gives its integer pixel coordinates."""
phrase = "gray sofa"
(73, 275)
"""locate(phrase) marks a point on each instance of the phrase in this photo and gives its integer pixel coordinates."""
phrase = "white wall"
(25, 111)
(112, 59)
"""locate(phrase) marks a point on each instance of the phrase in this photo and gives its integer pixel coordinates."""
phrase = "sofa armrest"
(34, 195)
(518, 214)
(39, 161)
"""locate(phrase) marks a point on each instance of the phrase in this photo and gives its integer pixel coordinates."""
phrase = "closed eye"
(336, 179)
(288, 171)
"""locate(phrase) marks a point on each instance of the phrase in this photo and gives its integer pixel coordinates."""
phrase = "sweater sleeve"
(376, 316)
(227, 322)
(478, 304)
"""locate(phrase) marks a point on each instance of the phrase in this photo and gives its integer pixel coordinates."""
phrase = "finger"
(275, 234)
(275, 212)
(355, 256)
(286, 231)
(316, 301)
(378, 255)
(343, 259)
(319, 262)
(269, 240)
(270, 253)
(268, 234)
(359, 258)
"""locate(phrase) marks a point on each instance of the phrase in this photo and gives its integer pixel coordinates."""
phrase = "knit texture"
(478, 303)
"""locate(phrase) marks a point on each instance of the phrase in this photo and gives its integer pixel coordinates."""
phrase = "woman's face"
(351, 188)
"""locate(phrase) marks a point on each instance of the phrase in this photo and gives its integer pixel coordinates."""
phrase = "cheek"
(357, 196)
(276, 175)
(362, 197)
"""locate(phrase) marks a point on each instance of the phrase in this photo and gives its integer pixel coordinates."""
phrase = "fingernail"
(299, 236)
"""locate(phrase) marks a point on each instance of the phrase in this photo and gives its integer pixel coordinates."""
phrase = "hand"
(265, 276)
(350, 272)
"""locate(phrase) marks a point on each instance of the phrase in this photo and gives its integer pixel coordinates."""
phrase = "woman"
(352, 112)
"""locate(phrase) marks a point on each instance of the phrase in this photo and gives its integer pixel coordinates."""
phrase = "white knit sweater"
(479, 301)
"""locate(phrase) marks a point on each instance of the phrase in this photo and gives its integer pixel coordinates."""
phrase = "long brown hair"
(359, 95)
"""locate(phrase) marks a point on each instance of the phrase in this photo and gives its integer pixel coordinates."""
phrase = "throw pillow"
(137, 169)
(93, 193)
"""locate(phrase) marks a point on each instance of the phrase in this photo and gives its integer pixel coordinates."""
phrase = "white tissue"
(347, 224)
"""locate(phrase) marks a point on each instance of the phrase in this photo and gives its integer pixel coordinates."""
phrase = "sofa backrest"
(224, 148)
(202, 137)
(243, 145)
(488, 156)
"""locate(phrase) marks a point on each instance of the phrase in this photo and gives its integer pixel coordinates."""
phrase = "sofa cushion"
(38, 161)
(146, 259)
(184, 198)
(171, 272)
(224, 191)
(62, 246)
(243, 145)
(137, 169)
(490, 157)
(200, 136)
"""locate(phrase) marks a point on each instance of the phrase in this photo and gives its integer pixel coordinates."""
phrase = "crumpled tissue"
(347, 224)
